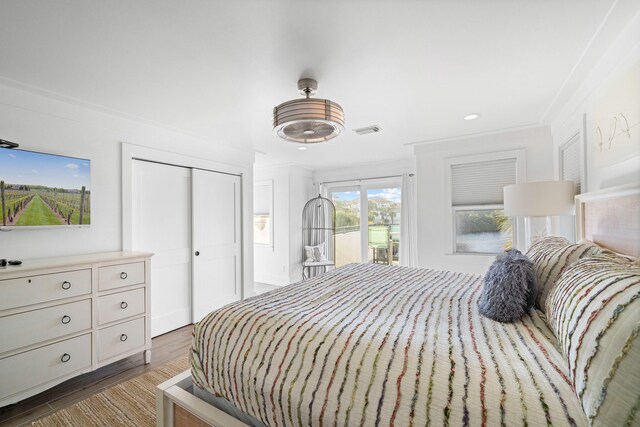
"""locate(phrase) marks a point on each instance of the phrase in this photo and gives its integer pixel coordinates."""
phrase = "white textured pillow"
(550, 256)
(594, 311)
(315, 253)
(611, 254)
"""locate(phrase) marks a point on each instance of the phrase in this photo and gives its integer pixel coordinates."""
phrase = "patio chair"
(394, 234)
(379, 242)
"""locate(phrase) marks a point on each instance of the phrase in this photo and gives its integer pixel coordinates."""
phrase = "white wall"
(271, 263)
(433, 213)
(300, 192)
(280, 264)
(576, 115)
(46, 124)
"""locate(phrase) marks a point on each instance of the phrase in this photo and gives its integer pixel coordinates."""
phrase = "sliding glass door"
(367, 221)
(383, 225)
(348, 214)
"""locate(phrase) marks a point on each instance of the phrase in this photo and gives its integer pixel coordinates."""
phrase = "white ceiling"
(218, 68)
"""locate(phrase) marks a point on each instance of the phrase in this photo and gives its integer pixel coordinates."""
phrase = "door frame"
(131, 152)
(362, 186)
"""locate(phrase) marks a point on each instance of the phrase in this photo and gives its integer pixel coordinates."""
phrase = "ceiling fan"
(308, 120)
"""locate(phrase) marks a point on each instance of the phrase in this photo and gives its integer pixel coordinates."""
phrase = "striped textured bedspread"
(368, 345)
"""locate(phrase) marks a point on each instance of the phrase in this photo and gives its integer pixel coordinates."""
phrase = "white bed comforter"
(376, 345)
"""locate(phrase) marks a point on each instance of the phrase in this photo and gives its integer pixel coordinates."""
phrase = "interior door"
(162, 224)
(216, 241)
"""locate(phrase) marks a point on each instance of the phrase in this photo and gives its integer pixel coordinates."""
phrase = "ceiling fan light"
(308, 120)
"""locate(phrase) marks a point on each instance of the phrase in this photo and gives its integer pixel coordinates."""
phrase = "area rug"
(131, 403)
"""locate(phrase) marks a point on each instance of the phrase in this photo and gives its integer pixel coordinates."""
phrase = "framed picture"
(263, 213)
(616, 120)
(40, 190)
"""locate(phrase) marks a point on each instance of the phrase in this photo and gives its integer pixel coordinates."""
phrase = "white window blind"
(481, 183)
(570, 162)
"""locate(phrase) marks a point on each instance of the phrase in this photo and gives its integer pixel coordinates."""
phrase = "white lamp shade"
(539, 198)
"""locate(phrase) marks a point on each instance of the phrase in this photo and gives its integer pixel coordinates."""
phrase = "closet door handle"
(197, 253)
(65, 358)
(66, 285)
(123, 337)
(124, 305)
(66, 319)
(123, 275)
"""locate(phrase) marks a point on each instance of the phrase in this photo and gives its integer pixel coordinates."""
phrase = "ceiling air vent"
(368, 129)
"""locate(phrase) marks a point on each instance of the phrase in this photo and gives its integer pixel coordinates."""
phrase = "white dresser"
(61, 317)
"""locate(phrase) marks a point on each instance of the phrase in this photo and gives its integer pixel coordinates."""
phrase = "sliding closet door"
(216, 241)
(162, 224)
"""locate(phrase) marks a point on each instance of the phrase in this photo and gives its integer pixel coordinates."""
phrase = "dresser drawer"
(31, 327)
(119, 306)
(116, 276)
(120, 338)
(44, 364)
(43, 288)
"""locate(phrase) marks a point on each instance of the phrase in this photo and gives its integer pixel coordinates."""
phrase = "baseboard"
(271, 279)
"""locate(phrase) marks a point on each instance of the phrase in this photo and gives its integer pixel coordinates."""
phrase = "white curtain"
(408, 222)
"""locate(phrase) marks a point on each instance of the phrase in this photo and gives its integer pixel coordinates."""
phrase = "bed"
(386, 345)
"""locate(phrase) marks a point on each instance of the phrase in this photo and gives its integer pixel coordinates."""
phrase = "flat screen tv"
(43, 190)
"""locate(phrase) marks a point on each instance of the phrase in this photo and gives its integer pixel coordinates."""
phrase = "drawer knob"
(123, 337)
(66, 319)
(65, 358)
(66, 285)
(123, 275)
(124, 305)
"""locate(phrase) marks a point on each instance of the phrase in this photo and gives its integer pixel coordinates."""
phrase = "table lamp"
(537, 201)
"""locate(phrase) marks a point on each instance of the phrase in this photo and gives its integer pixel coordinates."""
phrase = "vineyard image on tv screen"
(38, 189)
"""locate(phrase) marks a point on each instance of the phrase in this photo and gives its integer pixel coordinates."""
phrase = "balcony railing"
(347, 229)
(348, 244)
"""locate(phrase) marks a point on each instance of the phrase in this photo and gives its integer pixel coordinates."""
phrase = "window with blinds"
(569, 162)
(479, 223)
(481, 183)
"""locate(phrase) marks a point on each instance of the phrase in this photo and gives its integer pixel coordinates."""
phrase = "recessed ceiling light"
(302, 148)
(471, 116)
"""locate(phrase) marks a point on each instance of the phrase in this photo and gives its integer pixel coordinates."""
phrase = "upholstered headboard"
(611, 218)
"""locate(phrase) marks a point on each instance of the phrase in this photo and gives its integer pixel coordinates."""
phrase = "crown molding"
(477, 134)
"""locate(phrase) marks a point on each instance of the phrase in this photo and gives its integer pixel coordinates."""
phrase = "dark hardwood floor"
(164, 349)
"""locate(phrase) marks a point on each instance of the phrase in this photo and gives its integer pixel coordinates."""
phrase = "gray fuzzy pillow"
(508, 291)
